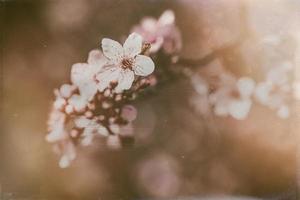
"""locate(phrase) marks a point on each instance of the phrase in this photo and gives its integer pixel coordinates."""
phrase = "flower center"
(127, 63)
(235, 94)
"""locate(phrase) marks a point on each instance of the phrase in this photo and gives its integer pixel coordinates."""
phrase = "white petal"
(245, 86)
(96, 61)
(66, 90)
(262, 93)
(143, 65)
(88, 90)
(95, 56)
(82, 122)
(149, 25)
(79, 73)
(133, 45)
(59, 103)
(64, 162)
(108, 75)
(78, 102)
(56, 135)
(167, 18)
(239, 109)
(199, 85)
(113, 50)
(125, 80)
(102, 130)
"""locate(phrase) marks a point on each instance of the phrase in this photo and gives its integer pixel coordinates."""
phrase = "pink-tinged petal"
(149, 25)
(96, 61)
(143, 65)
(167, 18)
(95, 56)
(129, 113)
(133, 45)
(111, 73)
(79, 73)
(113, 50)
(66, 90)
(125, 80)
(156, 44)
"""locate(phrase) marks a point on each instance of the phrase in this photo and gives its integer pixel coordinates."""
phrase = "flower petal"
(239, 109)
(125, 80)
(167, 18)
(88, 90)
(143, 65)
(133, 45)
(96, 61)
(82, 122)
(79, 73)
(129, 113)
(245, 86)
(113, 50)
(94, 56)
(78, 102)
(111, 73)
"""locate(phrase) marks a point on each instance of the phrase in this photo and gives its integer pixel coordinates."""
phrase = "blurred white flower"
(275, 90)
(77, 103)
(200, 99)
(68, 154)
(160, 33)
(83, 75)
(56, 126)
(66, 90)
(124, 63)
(233, 99)
(90, 128)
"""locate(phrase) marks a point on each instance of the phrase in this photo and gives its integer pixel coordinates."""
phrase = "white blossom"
(56, 126)
(68, 154)
(83, 75)
(160, 33)
(233, 99)
(90, 126)
(274, 90)
(124, 63)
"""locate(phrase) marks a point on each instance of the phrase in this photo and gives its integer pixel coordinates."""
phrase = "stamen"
(127, 63)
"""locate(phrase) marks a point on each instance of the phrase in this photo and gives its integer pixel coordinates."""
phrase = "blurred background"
(178, 152)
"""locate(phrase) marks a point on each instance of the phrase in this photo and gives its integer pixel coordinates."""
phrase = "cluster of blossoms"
(96, 102)
(231, 96)
(224, 93)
